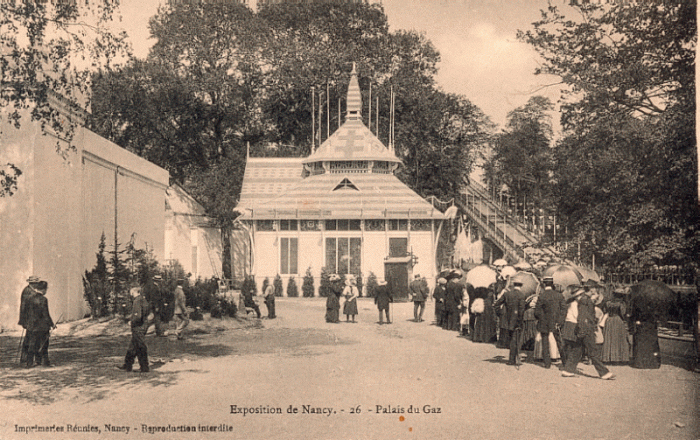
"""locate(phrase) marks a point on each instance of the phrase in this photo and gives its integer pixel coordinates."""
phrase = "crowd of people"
(148, 308)
(522, 311)
(541, 322)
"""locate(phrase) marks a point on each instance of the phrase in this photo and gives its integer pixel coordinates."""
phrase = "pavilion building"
(341, 208)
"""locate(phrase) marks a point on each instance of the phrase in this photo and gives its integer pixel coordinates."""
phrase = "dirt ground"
(406, 380)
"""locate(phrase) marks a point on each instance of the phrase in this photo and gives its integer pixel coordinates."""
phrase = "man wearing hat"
(39, 325)
(453, 301)
(382, 298)
(333, 299)
(514, 301)
(153, 292)
(31, 288)
(419, 292)
(582, 336)
(180, 310)
(139, 319)
(547, 311)
(439, 295)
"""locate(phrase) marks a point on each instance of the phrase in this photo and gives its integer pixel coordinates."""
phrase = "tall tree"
(522, 153)
(49, 51)
(626, 169)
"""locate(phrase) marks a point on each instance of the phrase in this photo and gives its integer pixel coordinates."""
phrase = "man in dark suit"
(439, 295)
(27, 292)
(139, 319)
(514, 300)
(39, 325)
(453, 301)
(547, 313)
(153, 293)
(383, 299)
(419, 292)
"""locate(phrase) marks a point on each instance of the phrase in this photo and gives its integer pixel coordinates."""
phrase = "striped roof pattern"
(266, 178)
(316, 197)
(353, 141)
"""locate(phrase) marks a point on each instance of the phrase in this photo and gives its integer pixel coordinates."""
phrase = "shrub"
(307, 286)
(216, 309)
(249, 286)
(324, 287)
(292, 290)
(228, 307)
(279, 288)
(371, 285)
(201, 294)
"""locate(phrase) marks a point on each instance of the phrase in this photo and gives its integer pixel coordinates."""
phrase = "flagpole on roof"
(369, 119)
(328, 111)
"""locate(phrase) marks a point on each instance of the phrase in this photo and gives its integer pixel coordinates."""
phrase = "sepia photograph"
(349, 219)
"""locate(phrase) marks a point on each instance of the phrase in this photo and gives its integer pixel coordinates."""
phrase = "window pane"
(343, 256)
(342, 225)
(265, 225)
(374, 225)
(293, 255)
(354, 225)
(421, 225)
(398, 247)
(288, 225)
(330, 225)
(309, 225)
(331, 265)
(284, 255)
(355, 255)
(403, 225)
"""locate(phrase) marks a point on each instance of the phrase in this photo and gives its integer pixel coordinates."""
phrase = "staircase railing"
(510, 235)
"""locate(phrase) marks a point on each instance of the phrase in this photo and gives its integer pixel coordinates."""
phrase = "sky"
(481, 58)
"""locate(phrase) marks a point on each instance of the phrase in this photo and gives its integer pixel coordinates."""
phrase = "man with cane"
(39, 325)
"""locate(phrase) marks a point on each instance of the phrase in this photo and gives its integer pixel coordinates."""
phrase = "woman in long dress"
(350, 293)
(485, 323)
(616, 346)
(333, 300)
(645, 346)
(527, 337)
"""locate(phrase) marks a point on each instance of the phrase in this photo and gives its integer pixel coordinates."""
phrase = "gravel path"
(406, 380)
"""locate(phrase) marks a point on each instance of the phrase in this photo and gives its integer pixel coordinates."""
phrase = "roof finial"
(354, 100)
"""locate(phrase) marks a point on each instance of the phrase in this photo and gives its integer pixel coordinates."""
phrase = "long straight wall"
(51, 226)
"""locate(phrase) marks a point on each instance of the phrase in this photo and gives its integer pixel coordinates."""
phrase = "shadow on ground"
(84, 367)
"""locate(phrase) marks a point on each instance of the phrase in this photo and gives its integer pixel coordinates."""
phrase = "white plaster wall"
(209, 251)
(266, 255)
(16, 220)
(58, 221)
(51, 227)
(374, 250)
(421, 245)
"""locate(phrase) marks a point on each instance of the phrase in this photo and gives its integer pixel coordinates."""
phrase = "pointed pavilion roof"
(279, 188)
(353, 141)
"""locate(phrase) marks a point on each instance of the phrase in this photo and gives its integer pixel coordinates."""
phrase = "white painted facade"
(51, 226)
(190, 237)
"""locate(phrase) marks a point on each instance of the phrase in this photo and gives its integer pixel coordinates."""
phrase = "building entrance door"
(397, 272)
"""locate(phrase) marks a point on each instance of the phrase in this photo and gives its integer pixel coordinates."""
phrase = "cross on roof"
(350, 146)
